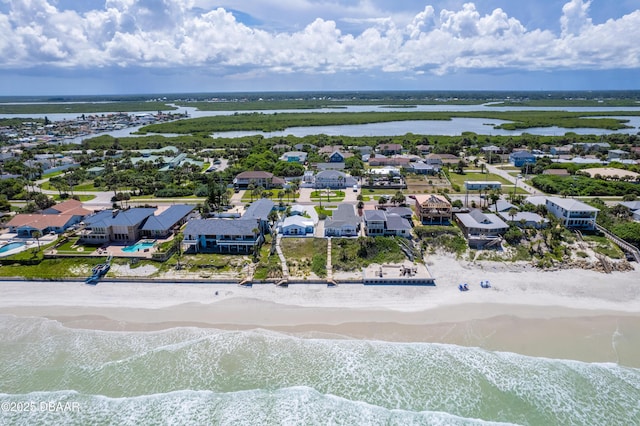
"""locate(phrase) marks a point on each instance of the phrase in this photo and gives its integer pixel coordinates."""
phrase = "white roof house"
(573, 213)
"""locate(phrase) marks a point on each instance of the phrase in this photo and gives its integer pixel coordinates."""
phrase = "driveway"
(504, 174)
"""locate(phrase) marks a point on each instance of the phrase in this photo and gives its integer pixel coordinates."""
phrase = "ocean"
(54, 375)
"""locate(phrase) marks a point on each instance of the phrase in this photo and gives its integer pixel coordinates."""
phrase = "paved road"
(519, 181)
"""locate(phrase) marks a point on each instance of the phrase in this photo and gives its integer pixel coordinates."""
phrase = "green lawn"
(53, 268)
(354, 254)
(82, 198)
(334, 196)
(323, 210)
(457, 179)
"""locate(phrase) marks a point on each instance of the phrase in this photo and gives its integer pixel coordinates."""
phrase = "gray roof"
(298, 208)
(502, 205)
(374, 215)
(167, 218)
(477, 219)
(397, 223)
(537, 200)
(330, 174)
(632, 205)
(330, 166)
(345, 214)
(107, 218)
(400, 211)
(526, 216)
(259, 209)
(570, 204)
(220, 227)
(297, 221)
(522, 154)
(419, 165)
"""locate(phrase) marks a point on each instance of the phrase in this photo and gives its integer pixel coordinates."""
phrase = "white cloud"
(175, 34)
(575, 17)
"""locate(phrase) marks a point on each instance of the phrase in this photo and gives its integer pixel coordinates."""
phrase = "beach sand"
(569, 314)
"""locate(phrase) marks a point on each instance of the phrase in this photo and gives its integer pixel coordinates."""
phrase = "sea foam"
(287, 376)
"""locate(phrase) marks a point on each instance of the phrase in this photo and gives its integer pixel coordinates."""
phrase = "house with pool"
(127, 226)
(122, 226)
(55, 219)
(162, 225)
(26, 225)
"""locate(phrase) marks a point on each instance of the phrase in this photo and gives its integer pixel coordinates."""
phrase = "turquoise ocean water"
(50, 374)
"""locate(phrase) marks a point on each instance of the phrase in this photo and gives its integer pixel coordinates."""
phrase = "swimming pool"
(10, 246)
(139, 246)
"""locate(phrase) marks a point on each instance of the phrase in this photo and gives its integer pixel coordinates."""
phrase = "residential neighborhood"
(117, 200)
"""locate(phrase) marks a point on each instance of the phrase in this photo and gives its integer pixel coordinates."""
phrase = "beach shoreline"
(570, 314)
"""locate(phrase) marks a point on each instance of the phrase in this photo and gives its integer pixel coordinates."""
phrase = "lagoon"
(453, 127)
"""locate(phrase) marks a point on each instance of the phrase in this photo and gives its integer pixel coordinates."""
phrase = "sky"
(72, 47)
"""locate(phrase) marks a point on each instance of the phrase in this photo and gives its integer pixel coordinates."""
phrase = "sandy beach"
(572, 314)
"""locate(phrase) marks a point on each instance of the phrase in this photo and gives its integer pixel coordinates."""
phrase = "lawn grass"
(323, 211)
(604, 246)
(59, 268)
(302, 248)
(82, 198)
(458, 179)
(334, 196)
(352, 254)
(305, 255)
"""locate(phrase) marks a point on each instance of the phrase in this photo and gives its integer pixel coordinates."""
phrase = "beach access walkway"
(283, 260)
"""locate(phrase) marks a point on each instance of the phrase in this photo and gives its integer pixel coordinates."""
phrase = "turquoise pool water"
(140, 246)
(10, 246)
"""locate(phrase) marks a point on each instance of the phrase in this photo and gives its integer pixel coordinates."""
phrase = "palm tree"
(251, 188)
(398, 198)
(37, 235)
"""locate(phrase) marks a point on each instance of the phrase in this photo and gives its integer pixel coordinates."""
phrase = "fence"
(621, 243)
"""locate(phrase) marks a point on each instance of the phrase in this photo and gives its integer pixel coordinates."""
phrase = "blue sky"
(65, 47)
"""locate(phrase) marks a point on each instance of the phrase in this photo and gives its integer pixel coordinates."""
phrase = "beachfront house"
(524, 219)
(71, 207)
(381, 223)
(115, 225)
(56, 219)
(433, 208)
(572, 213)
(258, 212)
(26, 225)
(343, 223)
(634, 207)
(233, 236)
(482, 230)
(162, 225)
(296, 226)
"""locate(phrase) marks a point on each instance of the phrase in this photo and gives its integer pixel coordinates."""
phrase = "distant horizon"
(178, 94)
